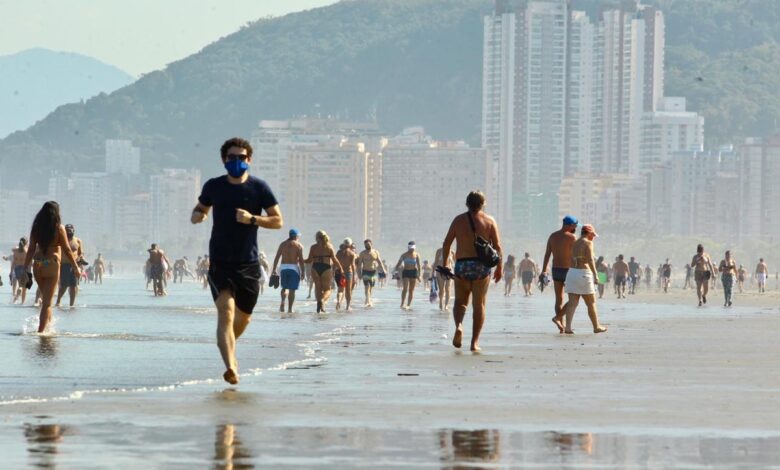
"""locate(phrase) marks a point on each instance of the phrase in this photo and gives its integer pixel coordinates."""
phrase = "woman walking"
(509, 275)
(602, 269)
(48, 241)
(581, 278)
(322, 258)
(728, 271)
(411, 274)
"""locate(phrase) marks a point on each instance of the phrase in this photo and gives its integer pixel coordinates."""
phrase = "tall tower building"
(525, 105)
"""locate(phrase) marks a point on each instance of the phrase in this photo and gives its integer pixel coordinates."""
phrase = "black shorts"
(68, 276)
(559, 274)
(620, 280)
(243, 280)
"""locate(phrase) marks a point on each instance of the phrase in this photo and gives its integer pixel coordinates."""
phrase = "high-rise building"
(92, 208)
(443, 174)
(122, 157)
(525, 103)
(579, 125)
(173, 194)
(669, 129)
(759, 170)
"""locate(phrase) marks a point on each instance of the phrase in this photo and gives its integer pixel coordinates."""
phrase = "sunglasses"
(237, 156)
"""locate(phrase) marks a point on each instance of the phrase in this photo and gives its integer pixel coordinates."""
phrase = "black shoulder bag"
(485, 251)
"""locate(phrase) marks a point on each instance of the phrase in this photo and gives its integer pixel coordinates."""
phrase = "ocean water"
(127, 380)
(119, 337)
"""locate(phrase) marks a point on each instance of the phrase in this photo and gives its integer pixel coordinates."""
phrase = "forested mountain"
(404, 62)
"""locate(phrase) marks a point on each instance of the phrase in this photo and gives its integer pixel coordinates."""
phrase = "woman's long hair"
(46, 224)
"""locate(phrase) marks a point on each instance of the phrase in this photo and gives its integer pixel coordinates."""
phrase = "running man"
(238, 200)
(528, 272)
(369, 265)
(620, 268)
(762, 273)
(472, 276)
(559, 246)
(292, 271)
(69, 281)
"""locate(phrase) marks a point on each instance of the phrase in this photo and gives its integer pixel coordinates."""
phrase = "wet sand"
(665, 376)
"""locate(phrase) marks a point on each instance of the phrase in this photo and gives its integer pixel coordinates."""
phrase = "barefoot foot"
(457, 338)
(230, 377)
(600, 329)
(569, 332)
(559, 323)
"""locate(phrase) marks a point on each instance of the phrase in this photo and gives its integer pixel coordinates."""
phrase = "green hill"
(406, 62)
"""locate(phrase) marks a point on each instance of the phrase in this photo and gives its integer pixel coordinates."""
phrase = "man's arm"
(273, 220)
(448, 239)
(547, 253)
(276, 258)
(300, 262)
(199, 213)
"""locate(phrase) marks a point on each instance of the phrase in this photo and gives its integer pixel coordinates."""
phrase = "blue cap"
(294, 232)
(570, 220)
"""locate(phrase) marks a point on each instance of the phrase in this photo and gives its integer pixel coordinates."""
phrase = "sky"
(138, 36)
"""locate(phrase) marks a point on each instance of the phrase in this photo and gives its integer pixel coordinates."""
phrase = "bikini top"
(410, 261)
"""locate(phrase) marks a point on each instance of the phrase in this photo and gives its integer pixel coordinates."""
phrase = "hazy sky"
(138, 36)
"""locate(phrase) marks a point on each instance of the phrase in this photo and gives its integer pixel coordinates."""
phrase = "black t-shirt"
(633, 267)
(233, 242)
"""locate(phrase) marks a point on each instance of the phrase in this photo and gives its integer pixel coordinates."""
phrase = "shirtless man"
(100, 268)
(635, 271)
(369, 264)
(559, 246)
(157, 258)
(741, 275)
(68, 279)
(703, 270)
(346, 256)
(18, 255)
(762, 273)
(292, 270)
(648, 276)
(444, 283)
(621, 270)
(666, 275)
(528, 271)
(472, 276)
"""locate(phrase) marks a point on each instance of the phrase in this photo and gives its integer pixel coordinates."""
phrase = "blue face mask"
(236, 168)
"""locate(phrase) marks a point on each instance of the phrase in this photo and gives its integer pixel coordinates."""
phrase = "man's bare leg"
(60, 293)
(72, 292)
(462, 296)
(290, 301)
(226, 335)
(284, 298)
(560, 307)
(590, 301)
(479, 290)
(348, 295)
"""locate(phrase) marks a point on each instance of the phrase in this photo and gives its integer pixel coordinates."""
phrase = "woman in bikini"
(48, 241)
(509, 275)
(581, 280)
(322, 258)
(411, 274)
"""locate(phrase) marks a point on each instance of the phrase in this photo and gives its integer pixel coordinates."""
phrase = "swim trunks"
(243, 281)
(471, 269)
(68, 276)
(156, 272)
(620, 280)
(369, 278)
(559, 274)
(18, 272)
(289, 276)
(528, 277)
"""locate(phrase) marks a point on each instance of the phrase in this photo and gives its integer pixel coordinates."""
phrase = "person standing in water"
(528, 272)
(728, 272)
(559, 246)
(581, 278)
(741, 275)
(69, 281)
(48, 243)
(702, 272)
(345, 279)
(18, 255)
(100, 268)
(411, 273)
(509, 275)
(291, 271)
(370, 265)
(472, 275)
(323, 259)
(238, 200)
(762, 273)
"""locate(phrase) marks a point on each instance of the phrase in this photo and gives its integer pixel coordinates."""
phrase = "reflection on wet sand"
(43, 440)
(567, 443)
(461, 448)
(47, 347)
(229, 452)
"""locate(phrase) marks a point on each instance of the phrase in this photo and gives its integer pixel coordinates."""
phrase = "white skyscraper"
(173, 194)
(579, 94)
(122, 157)
(525, 105)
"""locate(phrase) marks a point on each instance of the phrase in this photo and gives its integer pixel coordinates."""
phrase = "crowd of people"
(471, 255)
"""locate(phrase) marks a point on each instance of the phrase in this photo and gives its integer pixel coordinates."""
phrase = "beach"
(670, 385)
